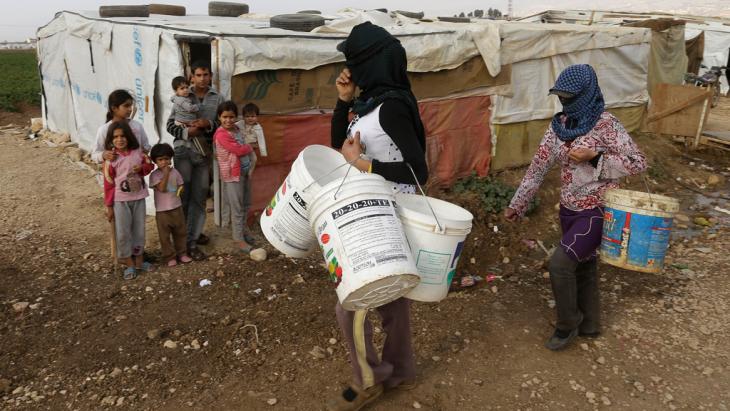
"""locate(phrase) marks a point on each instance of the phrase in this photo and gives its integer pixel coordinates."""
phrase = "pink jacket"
(227, 152)
(117, 172)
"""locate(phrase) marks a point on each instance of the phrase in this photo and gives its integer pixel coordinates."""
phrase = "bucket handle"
(648, 191)
(351, 165)
(441, 229)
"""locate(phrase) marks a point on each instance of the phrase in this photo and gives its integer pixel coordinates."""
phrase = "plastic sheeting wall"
(60, 115)
(668, 61)
(170, 66)
(622, 74)
(95, 63)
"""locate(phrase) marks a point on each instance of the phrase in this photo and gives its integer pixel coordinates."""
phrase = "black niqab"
(377, 63)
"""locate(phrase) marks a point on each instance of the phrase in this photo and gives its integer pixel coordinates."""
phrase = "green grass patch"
(19, 81)
(494, 194)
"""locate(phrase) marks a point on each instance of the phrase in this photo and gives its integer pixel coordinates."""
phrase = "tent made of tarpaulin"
(716, 29)
(469, 78)
(521, 117)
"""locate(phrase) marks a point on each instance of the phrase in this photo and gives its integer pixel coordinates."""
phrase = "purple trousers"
(398, 362)
(582, 231)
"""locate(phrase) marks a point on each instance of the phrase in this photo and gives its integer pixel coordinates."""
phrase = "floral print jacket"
(583, 185)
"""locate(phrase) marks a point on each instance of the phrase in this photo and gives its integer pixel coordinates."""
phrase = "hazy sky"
(20, 21)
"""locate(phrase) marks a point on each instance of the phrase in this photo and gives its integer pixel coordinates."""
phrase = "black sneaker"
(202, 239)
(561, 339)
(196, 254)
(594, 334)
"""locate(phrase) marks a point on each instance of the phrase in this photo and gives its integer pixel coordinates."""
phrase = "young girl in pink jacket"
(230, 151)
(124, 195)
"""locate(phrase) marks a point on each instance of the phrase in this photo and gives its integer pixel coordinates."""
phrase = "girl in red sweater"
(229, 151)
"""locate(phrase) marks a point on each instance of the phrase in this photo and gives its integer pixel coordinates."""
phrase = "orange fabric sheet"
(458, 141)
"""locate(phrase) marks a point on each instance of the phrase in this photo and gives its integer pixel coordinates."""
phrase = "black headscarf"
(377, 63)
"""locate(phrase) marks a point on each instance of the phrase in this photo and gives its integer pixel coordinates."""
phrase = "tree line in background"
(478, 13)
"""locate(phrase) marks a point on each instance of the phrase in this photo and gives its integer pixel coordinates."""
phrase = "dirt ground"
(263, 335)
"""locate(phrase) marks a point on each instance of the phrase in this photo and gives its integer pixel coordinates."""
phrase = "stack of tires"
(142, 10)
(226, 9)
(297, 22)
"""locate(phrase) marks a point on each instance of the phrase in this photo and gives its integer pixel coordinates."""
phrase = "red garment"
(227, 152)
(124, 159)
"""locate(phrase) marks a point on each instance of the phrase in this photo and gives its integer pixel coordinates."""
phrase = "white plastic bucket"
(435, 249)
(363, 242)
(285, 221)
(636, 229)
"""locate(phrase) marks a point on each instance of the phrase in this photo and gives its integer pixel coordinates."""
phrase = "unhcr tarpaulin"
(96, 59)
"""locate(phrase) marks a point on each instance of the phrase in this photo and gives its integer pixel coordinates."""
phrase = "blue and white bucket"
(636, 229)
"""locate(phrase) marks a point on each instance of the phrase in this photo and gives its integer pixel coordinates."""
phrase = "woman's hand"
(510, 215)
(110, 214)
(345, 86)
(352, 149)
(109, 155)
(580, 155)
(136, 168)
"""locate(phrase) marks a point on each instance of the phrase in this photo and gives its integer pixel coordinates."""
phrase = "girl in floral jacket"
(594, 151)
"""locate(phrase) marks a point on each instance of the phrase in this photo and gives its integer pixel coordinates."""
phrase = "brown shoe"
(354, 398)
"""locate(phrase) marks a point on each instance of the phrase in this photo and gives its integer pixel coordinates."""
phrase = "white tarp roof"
(717, 29)
(431, 46)
(84, 57)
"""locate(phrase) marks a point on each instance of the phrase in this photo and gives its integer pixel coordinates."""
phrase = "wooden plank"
(671, 110)
(719, 119)
(703, 117)
(684, 122)
(715, 142)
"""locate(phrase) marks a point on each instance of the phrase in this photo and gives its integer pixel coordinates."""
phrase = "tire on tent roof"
(226, 9)
(411, 14)
(296, 22)
(124, 11)
(167, 9)
(309, 12)
(455, 19)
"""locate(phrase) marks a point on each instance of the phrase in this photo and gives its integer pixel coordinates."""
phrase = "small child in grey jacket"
(183, 109)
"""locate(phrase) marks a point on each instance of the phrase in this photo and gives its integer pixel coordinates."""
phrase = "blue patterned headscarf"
(583, 108)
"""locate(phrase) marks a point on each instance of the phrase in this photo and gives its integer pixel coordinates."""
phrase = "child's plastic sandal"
(146, 267)
(130, 273)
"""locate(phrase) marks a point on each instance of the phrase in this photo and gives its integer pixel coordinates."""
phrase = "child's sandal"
(130, 273)
(146, 267)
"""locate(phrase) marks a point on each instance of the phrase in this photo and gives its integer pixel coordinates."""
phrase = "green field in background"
(19, 79)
